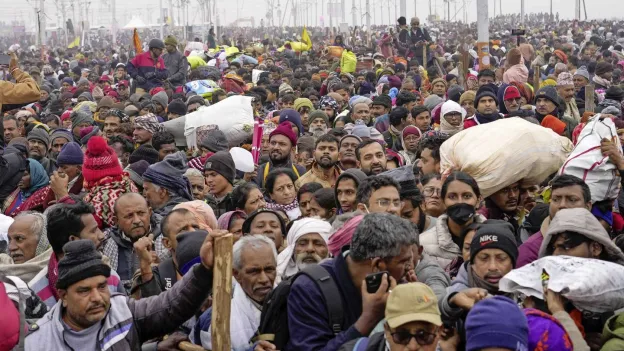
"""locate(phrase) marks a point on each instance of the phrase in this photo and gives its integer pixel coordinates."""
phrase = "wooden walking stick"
(590, 90)
(222, 293)
(536, 79)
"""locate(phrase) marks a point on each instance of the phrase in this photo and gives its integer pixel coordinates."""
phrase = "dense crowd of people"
(349, 233)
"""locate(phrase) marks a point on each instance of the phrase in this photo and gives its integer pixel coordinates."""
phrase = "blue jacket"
(308, 320)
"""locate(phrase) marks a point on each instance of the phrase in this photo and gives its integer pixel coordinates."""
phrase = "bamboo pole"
(536, 79)
(222, 293)
(589, 98)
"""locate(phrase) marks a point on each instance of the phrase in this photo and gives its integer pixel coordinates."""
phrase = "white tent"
(135, 22)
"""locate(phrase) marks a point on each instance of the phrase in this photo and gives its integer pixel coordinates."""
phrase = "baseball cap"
(412, 302)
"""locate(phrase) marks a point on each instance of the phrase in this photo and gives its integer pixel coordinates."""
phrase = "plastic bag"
(503, 152)
(233, 116)
(195, 61)
(590, 284)
(203, 88)
(348, 62)
(587, 162)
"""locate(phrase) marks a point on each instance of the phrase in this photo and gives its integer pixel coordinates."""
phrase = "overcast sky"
(100, 12)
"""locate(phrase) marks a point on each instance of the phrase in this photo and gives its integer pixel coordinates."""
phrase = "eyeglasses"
(429, 191)
(386, 203)
(452, 115)
(423, 338)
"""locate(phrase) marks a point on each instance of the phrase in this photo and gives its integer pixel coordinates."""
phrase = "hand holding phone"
(373, 281)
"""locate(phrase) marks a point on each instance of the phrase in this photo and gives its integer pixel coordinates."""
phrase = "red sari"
(35, 202)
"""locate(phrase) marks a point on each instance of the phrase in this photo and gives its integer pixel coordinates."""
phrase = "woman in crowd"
(280, 186)
(233, 222)
(266, 222)
(248, 197)
(31, 192)
(432, 186)
(461, 197)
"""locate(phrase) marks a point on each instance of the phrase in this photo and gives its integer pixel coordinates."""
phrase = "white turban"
(286, 265)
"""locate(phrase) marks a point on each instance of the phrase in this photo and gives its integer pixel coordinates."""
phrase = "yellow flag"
(305, 38)
(74, 43)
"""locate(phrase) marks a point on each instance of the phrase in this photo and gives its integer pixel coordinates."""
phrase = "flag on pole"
(137, 42)
(305, 38)
(74, 43)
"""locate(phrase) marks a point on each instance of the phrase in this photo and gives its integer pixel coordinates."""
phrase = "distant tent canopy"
(135, 22)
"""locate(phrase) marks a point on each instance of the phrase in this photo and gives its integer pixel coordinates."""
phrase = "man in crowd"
(307, 245)
(324, 170)
(198, 183)
(283, 143)
(58, 139)
(164, 184)
(400, 118)
(347, 147)
(175, 61)
(12, 128)
(38, 146)
(148, 69)
(372, 157)
(28, 239)
(486, 104)
(565, 90)
(380, 243)
(380, 109)
(346, 190)
(429, 150)
(164, 143)
(220, 171)
(144, 129)
(379, 194)
(112, 123)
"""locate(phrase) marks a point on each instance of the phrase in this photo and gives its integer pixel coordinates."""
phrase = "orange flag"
(137, 42)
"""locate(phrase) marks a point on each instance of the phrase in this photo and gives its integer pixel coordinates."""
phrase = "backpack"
(274, 318)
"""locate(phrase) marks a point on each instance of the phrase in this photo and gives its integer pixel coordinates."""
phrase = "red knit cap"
(285, 129)
(411, 130)
(511, 92)
(100, 161)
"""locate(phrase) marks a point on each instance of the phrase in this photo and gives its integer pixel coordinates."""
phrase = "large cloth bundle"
(503, 152)
(195, 61)
(203, 88)
(348, 62)
(194, 46)
(233, 116)
(296, 46)
(587, 162)
(590, 284)
(333, 51)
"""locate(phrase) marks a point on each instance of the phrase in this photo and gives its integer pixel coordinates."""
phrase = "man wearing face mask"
(493, 253)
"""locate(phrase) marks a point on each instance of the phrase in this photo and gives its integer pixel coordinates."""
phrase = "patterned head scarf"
(328, 101)
(149, 122)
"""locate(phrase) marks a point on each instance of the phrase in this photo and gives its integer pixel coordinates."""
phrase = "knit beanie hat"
(546, 331)
(487, 90)
(467, 96)
(171, 40)
(583, 72)
(81, 261)
(486, 329)
(286, 130)
(215, 141)
(292, 116)
(303, 102)
(285, 89)
(439, 80)
(106, 101)
(432, 101)
(178, 107)
(316, 115)
(455, 92)
(71, 154)
(87, 132)
(494, 234)
(411, 130)
(81, 116)
(169, 174)
(162, 99)
(86, 95)
(383, 100)
(187, 251)
(614, 93)
(136, 170)
(222, 163)
(554, 123)
(144, 152)
(61, 133)
(549, 93)
(603, 67)
(511, 92)
(100, 161)
(41, 135)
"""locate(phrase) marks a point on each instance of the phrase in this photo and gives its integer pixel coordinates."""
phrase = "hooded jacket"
(12, 166)
(613, 333)
(353, 173)
(581, 221)
(24, 91)
(429, 272)
(128, 322)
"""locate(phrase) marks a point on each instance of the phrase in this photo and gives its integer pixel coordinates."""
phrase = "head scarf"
(328, 101)
(149, 122)
(342, 236)
(202, 211)
(225, 220)
(546, 332)
(445, 126)
(169, 174)
(286, 265)
(38, 177)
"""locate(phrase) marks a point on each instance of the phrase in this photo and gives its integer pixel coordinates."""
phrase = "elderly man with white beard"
(318, 123)
(307, 245)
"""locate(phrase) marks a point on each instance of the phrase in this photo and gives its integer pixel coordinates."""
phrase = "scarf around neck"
(475, 281)
(482, 118)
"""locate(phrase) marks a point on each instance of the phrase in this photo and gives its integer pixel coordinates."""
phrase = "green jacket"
(613, 334)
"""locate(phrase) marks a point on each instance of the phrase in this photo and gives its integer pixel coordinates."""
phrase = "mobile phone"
(5, 60)
(373, 281)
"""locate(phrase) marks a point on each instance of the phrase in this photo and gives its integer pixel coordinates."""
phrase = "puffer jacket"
(23, 91)
(129, 323)
(438, 242)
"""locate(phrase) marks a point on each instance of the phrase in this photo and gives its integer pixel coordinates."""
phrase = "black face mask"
(461, 213)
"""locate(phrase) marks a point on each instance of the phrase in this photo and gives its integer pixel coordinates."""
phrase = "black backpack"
(274, 318)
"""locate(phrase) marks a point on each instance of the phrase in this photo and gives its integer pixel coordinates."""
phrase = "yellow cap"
(412, 302)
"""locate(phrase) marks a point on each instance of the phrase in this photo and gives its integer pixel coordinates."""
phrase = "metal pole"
(42, 23)
(551, 8)
(162, 25)
(522, 12)
(114, 24)
(353, 13)
(64, 23)
(483, 24)
(403, 8)
(368, 16)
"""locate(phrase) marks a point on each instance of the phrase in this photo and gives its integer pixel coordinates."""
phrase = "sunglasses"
(423, 338)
